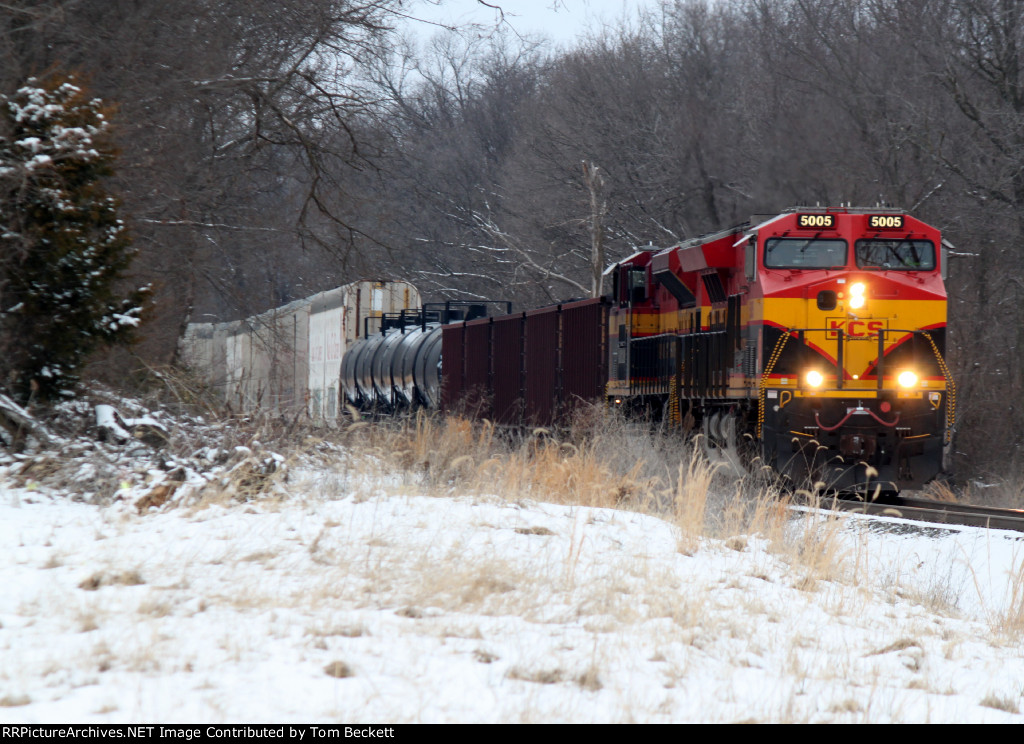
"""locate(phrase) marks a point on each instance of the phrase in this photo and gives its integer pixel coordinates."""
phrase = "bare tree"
(598, 208)
(246, 136)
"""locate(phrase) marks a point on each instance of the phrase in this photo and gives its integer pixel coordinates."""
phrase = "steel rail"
(924, 510)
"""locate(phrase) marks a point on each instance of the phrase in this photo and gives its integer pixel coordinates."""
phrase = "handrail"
(880, 362)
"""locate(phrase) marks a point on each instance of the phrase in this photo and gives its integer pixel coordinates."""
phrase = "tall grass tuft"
(690, 500)
(1010, 622)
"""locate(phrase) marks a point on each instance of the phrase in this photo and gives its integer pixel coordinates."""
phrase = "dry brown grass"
(250, 475)
(540, 676)
(1009, 624)
(940, 490)
(111, 578)
(603, 460)
(690, 500)
(1004, 490)
(999, 702)
(339, 670)
(815, 549)
(448, 454)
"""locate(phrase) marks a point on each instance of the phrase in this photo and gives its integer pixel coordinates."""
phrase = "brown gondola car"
(527, 368)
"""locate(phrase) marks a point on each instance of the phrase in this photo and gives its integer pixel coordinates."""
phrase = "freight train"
(810, 342)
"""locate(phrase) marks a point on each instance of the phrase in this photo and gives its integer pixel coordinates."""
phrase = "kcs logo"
(855, 328)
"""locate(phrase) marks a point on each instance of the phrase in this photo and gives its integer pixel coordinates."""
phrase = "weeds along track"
(602, 459)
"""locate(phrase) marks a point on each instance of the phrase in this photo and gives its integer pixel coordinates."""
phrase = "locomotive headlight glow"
(907, 379)
(857, 299)
(814, 378)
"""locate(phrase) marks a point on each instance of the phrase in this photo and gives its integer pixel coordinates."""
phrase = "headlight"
(907, 379)
(857, 298)
(814, 378)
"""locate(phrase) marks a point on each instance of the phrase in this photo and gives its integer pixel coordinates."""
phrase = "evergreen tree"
(62, 246)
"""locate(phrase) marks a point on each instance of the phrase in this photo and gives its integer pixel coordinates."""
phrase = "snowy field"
(349, 604)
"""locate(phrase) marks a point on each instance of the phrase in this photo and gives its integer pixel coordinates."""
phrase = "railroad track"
(933, 512)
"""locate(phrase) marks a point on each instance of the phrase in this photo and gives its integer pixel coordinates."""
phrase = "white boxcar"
(326, 345)
(336, 319)
(287, 361)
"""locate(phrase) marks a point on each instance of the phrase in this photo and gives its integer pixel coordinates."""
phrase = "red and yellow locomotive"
(813, 339)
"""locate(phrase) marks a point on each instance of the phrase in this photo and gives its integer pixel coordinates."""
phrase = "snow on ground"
(345, 603)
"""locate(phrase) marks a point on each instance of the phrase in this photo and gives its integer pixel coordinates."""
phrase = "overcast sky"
(561, 20)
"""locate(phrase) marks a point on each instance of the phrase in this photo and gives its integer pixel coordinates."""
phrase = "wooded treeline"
(273, 149)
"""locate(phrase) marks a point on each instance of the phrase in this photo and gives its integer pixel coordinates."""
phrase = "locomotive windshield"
(895, 255)
(804, 253)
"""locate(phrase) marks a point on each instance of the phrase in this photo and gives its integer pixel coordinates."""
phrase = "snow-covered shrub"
(63, 248)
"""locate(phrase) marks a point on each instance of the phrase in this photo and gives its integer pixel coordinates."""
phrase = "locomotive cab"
(854, 390)
(812, 339)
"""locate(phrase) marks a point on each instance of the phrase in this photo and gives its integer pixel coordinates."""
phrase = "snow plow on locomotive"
(811, 342)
